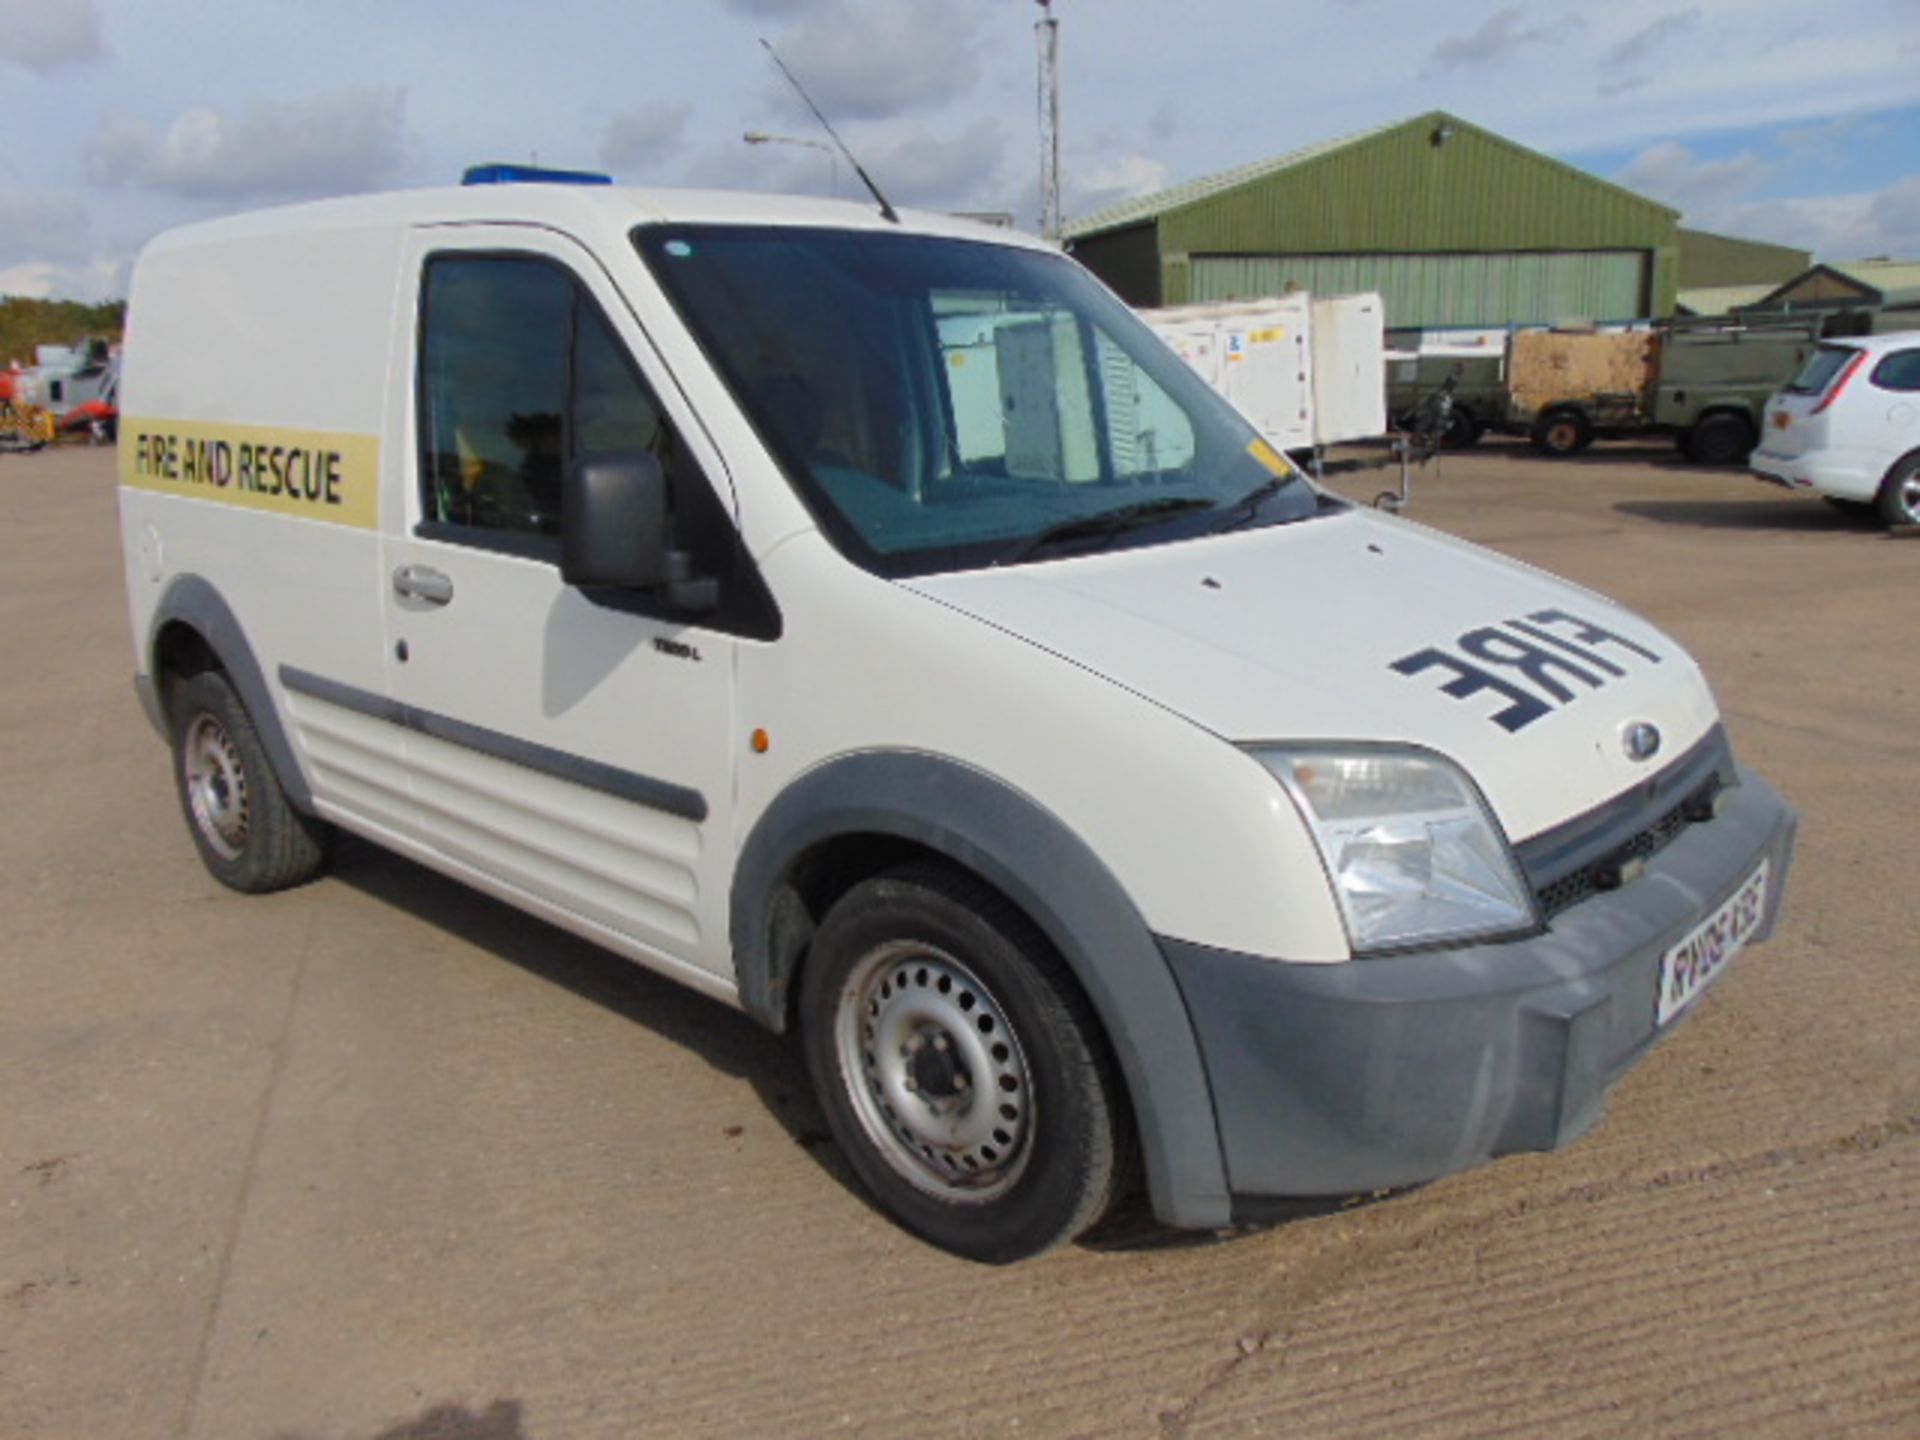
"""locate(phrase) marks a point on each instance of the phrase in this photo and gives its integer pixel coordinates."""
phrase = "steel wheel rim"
(935, 1073)
(1907, 496)
(216, 787)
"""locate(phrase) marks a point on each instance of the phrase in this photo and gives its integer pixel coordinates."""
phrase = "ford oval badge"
(1641, 740)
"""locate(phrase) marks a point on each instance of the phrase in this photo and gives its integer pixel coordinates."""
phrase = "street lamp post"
(761, 137)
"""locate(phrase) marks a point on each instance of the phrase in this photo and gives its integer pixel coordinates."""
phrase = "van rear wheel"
(248, 834)
(961, 1071)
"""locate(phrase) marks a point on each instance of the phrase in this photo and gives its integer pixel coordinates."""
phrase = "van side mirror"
(613, 522)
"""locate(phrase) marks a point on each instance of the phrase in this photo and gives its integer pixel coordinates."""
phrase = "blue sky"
(1766, 118)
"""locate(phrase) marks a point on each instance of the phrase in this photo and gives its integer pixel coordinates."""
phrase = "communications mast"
(1047, 33)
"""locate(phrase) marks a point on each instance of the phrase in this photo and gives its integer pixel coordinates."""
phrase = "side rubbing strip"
(610, 779)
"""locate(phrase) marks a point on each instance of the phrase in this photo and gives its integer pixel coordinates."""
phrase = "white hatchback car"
(1848, 426)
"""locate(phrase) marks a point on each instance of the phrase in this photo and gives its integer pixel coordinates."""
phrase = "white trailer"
(1307, 372)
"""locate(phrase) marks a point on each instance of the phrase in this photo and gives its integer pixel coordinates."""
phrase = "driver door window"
(520, 375)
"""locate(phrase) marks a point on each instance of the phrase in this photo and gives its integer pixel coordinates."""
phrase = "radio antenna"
(887, 212)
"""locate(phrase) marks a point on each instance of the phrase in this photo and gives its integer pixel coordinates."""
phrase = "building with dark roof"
(1848, 285)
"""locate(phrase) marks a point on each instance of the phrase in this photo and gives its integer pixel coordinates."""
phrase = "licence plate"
(1689, 967)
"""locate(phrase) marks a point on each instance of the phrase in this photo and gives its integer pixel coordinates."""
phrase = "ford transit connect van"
(872, 625)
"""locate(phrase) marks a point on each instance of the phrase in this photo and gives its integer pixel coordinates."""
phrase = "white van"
(653, 562)
(1848, 426)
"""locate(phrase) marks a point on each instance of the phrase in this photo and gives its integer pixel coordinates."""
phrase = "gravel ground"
(381, 1158)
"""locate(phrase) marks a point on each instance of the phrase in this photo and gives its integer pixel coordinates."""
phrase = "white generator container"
(1349, 367)
(1306, 372)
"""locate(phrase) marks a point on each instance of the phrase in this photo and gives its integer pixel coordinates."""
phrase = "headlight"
(1413, 852)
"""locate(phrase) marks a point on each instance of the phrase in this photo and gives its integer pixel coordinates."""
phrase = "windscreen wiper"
(1247, 507)
(1107, 522)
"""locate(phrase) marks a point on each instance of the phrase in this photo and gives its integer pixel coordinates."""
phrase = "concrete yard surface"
(380, 1159)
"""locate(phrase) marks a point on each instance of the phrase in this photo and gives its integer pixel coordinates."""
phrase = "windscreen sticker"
(1269, 457)
(313, 475)
(1536, 664)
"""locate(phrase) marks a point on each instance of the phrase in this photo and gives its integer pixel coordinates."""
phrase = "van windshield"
(947, 404)
(1825, 363)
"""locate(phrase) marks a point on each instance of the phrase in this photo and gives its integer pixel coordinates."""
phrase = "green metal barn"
(1451, 223)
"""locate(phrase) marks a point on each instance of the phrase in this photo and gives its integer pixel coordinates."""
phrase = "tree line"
(26, 323)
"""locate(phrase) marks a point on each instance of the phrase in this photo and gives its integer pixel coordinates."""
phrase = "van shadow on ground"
(726, 1039)
(502, 1420)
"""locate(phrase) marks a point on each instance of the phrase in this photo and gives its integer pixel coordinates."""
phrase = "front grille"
(1595, 852)
(1606, 874)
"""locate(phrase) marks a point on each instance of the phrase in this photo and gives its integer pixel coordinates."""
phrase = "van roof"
(579, 208)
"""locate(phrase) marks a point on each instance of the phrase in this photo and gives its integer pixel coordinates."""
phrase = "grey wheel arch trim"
(192, 601)
(1041, 865)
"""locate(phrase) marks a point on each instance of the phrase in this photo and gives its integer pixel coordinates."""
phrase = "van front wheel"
(247, 833)
(960, 1069)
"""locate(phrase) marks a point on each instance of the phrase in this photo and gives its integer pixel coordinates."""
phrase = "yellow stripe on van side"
(310, 474)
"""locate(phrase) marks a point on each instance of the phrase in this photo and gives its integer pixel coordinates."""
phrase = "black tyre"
(248, 834)
(1720, 439)
(1463, 431)
(961, 1070)
(1898, 502)
(1562, 432)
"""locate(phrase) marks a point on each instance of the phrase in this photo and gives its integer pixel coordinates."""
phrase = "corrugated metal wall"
(1708, 260)
(1411, 194)
(1486, 289)
(1400, 191)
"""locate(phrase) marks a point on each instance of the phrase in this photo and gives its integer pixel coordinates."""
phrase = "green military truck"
(1705, 384)
(1714, 384)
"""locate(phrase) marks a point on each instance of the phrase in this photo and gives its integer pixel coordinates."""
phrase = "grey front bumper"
(1336, 1079)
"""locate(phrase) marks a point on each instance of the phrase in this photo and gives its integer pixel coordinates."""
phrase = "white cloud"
(914, 164)
(1651, 39)
(43, 35)
(1500, 37)
(1121, 178)
(327, 145)
(90, 283)
(641, 141)
(1668, 172)
(1623, 63)
(36, 227)
(773, 9)
(872, 59)
(1883, 223)
(1896, 215)
(1720, 195)
(944, 172)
